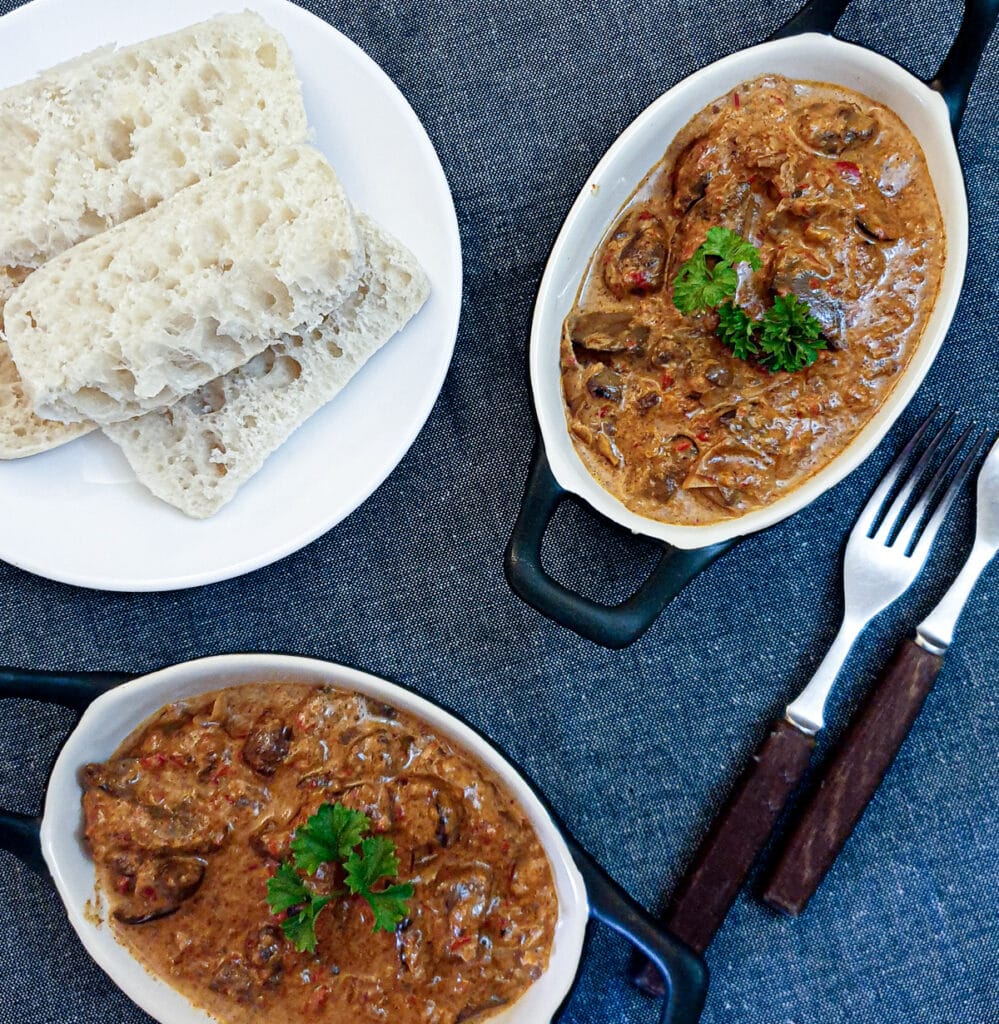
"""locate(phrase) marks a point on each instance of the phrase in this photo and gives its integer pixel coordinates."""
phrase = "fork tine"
(870, 511)
(912, 478)
(922, 549)
(908, 528)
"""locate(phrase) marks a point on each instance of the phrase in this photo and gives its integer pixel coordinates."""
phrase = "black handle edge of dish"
(817, 16)
(612, 626)
(77, 690)
(20, 834)
(957, 73)
(685, 973)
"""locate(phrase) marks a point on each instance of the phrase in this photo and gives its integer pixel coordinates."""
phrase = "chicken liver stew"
(194, 813)
(833, 191)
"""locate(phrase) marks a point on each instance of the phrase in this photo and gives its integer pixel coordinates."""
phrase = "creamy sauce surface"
(834, 190)
(193, 813)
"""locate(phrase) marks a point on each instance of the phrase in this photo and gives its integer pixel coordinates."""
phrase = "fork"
(853, 773)
(885, 553)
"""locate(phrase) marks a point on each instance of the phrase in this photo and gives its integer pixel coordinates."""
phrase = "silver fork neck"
(806, 711)
(936, 631)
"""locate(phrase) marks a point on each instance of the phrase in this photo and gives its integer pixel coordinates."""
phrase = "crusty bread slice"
(96, 141)
(21, 431)
(197, 454)
(135, 318)
(91, 143)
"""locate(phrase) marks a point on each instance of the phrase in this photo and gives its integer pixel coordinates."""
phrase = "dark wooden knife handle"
(737, 835)
(852, 777)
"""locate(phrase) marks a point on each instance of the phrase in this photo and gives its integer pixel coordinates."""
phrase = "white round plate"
(77, 514)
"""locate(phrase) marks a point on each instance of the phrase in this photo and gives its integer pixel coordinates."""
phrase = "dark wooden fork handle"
(740, 831)
(852, 778)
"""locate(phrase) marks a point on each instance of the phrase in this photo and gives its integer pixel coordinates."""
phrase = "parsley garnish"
(709, 277)
(737, 331)
(788, 336)
(377, 860)
(332, 836)
(328, 836)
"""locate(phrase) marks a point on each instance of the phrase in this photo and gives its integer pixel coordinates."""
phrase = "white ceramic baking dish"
(931, 112)
(584, 890)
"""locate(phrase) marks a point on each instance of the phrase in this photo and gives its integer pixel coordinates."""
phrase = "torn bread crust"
(197, 454)
(22, 433)
(99, 139)
(187, 291)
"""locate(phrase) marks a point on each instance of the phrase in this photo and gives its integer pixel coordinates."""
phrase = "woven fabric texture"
(635, 749)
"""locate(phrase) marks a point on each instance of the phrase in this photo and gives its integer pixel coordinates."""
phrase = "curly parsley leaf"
(335, 834)
(737, 331)
(328, 836)
(376, 861)
(287, 891)
(789, 335)
(731, 247)
(709, 277)
(300, 927)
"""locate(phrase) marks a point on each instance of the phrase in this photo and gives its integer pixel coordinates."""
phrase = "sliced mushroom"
(465, 892)
(152, 888)
(606, 383)
(267, 744)
(265, 949)
(692, 174)
(428, 809)
(608, 332)
(834, 127)
(232, 978)
(118, 777)
(634, 258)
(381, 752)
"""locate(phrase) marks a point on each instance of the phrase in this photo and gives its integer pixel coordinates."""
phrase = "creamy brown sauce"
(834, 190)
(190, 817)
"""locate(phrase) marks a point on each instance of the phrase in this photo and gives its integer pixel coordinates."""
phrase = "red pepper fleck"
(638, 278)
(458, 943)
(123, 884)
(814, 282)
(850, 171)
(148, 892)
(645, 215)
(704, 435)
(736, 100)
(682, 445)
(604, 409)
(667, 381)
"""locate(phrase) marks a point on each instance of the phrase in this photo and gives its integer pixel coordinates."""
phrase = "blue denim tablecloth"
(636, 748)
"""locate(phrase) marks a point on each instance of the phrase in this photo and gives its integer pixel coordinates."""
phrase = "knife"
(875, 736)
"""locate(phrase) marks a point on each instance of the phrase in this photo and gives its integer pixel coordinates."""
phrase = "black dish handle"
(818, 16)
(957, 73)
(683, 971)
(610, 625)
(20, 833)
